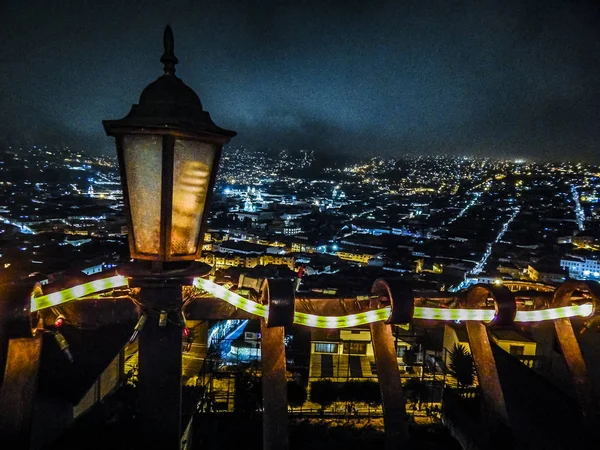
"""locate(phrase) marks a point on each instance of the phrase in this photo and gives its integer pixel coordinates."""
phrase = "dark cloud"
(478, 77)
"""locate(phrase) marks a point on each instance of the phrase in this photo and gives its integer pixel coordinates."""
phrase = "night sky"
(481, 77)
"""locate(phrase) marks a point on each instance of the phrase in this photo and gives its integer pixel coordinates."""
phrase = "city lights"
(488, 252)
(393, 191)
(579, 213)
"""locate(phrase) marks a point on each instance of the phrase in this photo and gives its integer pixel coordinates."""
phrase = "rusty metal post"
(386, 360)
(279, 295)
(487, 373)
(18, 392)
(497, 420)
(576, 364)
(584, 389)
(392, 395)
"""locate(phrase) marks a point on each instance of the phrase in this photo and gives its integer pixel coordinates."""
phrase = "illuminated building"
(581, 268)
(356, 256)
(224, 260)
(348, 353)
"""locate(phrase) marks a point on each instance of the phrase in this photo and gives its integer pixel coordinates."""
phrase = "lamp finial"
(168, 58)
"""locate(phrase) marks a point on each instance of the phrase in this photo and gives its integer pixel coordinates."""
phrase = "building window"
(322, 347)
(400, 351)
(516, 350)
(355, 348)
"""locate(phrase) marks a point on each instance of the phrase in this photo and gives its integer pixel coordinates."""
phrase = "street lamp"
(168, 149)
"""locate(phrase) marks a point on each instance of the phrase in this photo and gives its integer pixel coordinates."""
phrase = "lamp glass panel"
(143, 167)
(192, 166)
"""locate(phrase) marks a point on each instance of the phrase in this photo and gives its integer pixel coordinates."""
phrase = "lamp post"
(168, 151)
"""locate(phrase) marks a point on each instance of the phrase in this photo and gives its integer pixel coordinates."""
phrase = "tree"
(415, 390)
(248, 392)
(296, 394)
(461, 366)
(410, 357)
(324, 393)
(247, 223)
(370, 394)
(360, 391)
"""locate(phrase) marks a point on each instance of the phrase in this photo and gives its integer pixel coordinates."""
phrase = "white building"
(581, 268)
(348, 353)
